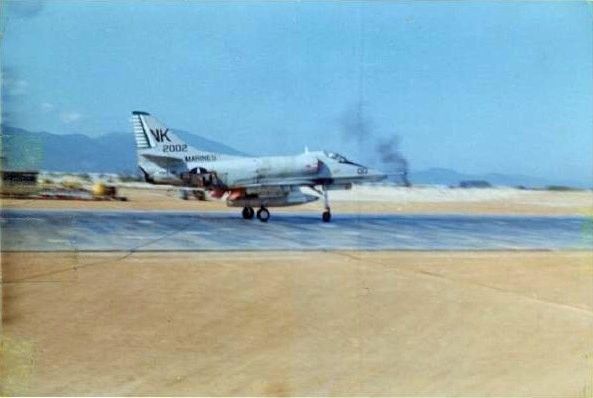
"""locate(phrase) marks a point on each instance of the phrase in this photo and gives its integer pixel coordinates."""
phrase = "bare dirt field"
(315, 323)
(358, 200)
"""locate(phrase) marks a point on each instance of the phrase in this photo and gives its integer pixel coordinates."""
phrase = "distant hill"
(442, 176)
(110, 153)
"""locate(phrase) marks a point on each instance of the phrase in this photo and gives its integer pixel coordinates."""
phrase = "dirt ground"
(314, 323)
(519, 202)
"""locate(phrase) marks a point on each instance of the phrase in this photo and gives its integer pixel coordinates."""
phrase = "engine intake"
(200, 178)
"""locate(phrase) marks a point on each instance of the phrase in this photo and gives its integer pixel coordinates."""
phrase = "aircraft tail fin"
(152, 136)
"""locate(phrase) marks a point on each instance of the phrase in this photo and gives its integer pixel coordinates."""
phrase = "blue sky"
(474, 86)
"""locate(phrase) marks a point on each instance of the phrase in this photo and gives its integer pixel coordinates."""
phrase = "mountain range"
(109, 153)
(114, 153)
(442, 176)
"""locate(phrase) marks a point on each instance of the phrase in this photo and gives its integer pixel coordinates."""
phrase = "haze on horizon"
(477, 87)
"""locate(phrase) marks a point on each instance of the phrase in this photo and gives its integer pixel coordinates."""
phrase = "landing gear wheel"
(326, 216)
(248, 213)
(263, 214)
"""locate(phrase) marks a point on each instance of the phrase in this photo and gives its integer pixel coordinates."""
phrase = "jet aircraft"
(248, 182)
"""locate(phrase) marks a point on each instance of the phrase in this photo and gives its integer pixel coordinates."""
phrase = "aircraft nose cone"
(376, 175)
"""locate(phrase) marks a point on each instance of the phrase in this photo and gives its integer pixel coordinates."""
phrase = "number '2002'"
(175, 148)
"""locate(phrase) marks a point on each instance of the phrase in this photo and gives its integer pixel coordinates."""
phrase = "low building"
(474, 184)
(16, 182)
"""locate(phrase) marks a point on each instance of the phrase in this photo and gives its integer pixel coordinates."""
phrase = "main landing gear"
(248, 213)
(262, 214)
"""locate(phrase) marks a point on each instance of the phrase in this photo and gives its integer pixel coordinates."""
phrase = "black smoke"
(391, 157)
(356, 125)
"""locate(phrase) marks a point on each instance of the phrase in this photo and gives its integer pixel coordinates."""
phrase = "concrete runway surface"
(290, 323)
(48, 230)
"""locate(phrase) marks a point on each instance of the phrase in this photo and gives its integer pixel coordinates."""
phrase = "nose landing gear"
(327, 215)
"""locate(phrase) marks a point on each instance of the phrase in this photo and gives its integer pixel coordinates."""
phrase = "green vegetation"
(561, 188)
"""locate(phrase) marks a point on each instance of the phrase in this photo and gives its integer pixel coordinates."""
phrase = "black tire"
(247, 213)
(326, 216)
(263, 214)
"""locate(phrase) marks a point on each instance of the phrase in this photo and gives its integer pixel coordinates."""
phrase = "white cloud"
(70, 117)
(15, 86)
(46, 107)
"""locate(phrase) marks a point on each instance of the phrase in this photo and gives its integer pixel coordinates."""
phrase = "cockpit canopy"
(336, 156)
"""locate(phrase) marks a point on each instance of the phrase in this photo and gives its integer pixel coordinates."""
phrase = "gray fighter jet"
(247, 182)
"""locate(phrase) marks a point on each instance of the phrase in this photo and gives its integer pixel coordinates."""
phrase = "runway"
(47, 230)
